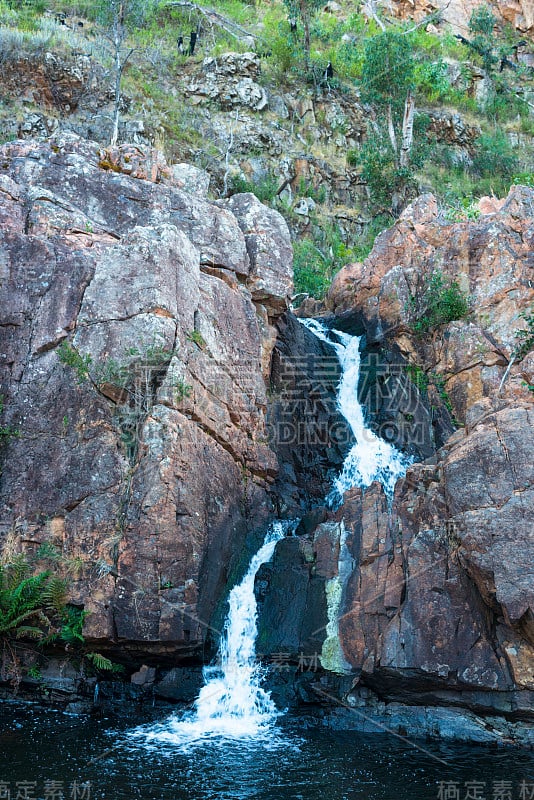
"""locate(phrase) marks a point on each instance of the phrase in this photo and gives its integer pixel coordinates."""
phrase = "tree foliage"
(304, 11)
(481, 25)
(388, 71)
(388, 84)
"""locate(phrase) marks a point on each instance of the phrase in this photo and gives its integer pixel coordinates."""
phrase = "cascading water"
(232, 703)
(370, 458)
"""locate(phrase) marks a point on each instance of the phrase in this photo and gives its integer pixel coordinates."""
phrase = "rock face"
(51, 82)
(139, 325)
(439, 607)
(231, 80)
(141, 462)
(312, 438)
(436, 589)
(456, 14)
(491, 259)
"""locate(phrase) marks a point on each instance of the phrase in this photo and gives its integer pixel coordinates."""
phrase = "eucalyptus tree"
(118, 20)
(388, 84)
(304, 10)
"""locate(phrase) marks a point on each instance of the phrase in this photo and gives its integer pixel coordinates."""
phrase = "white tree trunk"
(407, 130)
(119, 34)
(391, 130)
(117, 109)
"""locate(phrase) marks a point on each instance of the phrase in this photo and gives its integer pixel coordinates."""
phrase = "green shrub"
(72, 358)
(494, 156)
(432, 80)
(465, 209)
(525, 337)
(311, 269)
(264, 188)
(182, 390)
(306, 189)
(380, 171)
(523, 179)
(502, 103)
(481, 25)
(438, 300)
(418, 377)
(317, 259)
(7, 432)
(286, 56)
(197, 338)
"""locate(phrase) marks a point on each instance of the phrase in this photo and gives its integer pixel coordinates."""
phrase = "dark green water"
(41, 747)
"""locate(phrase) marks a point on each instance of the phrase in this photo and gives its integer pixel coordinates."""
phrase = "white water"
(370, 458)
(232, 703)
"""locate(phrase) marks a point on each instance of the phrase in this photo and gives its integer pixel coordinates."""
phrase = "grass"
(152, 79)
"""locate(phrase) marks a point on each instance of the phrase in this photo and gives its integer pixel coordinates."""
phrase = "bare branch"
(214, 18)
(435, 16)
(369, 9)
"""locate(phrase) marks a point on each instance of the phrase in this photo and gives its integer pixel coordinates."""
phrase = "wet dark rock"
(180, 684)
(310, 436)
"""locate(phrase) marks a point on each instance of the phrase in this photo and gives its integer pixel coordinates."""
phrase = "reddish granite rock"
(438, 604)
(491, 258)
(445, 576)
(142, 474)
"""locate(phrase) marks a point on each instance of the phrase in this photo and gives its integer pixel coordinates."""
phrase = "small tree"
(304, 10)
(388, 83)
(481, 25)
(118, 18)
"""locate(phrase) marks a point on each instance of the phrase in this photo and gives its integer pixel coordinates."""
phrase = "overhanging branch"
(213, 18)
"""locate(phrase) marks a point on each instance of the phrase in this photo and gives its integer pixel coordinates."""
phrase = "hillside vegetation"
(339, 119)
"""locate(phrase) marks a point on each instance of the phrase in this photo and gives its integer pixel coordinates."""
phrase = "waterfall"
(232, 703)
(370, 458)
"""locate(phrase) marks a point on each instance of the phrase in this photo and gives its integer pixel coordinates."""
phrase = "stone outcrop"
(51, 81)
(439, 607)
(456, 14)
(491, 259)
(435, 590)
(231, 80)
(141, 461)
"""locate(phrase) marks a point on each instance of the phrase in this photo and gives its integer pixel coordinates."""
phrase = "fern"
(71, 630)
(54, 594)
(33, 607)
(28, 632)
(102, 663)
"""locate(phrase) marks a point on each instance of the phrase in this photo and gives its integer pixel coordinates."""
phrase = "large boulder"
(491, 259)
(139, 462)
(231, 80)
(435, 600)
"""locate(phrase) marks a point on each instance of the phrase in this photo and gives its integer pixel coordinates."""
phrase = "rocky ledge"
(428, 601)
(136, 331)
